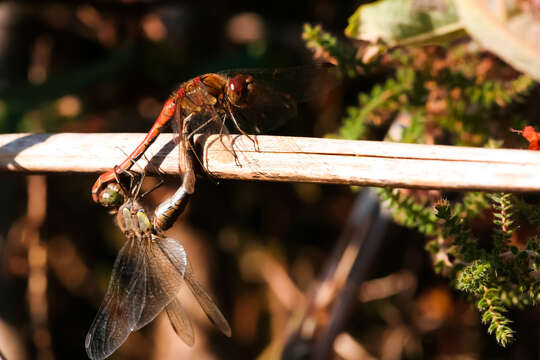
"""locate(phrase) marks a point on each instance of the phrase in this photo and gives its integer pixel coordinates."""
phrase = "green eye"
(144, 222)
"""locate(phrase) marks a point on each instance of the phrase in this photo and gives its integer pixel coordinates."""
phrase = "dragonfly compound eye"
(145, 225)
(238, 89)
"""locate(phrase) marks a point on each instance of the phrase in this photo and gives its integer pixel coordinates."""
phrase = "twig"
(287, 159)
(330, 300)
(368, 244)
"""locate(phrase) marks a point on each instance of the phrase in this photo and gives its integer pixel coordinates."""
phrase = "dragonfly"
(252, 101)
(146, 277)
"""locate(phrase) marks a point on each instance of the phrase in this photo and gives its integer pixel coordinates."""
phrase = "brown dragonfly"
(146, 277)
(245, 101)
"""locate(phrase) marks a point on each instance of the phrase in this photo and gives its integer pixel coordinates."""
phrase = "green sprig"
(408, 212)
(320, 41)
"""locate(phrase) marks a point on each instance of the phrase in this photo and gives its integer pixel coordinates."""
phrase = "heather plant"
(456, 94)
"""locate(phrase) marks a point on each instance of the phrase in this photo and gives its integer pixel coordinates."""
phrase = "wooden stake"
(291, 159)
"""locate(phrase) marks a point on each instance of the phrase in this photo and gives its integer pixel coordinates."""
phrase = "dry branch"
(287, 159)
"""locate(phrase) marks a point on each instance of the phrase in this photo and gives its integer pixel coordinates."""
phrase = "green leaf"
(405, 22)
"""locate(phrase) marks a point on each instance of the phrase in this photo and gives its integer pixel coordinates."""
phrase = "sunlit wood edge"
(291, 159)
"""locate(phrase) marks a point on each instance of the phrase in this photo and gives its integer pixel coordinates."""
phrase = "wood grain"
(286, 159)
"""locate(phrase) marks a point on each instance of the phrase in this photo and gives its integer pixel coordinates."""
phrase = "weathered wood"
(286, 159)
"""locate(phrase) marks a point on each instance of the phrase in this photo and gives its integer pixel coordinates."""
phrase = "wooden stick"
(286, 159)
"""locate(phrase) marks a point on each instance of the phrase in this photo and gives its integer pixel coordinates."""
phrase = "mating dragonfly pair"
(146, 278)
(151, 267)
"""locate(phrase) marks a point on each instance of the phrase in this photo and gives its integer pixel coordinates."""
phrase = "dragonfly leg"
(167, 113)
(158, 185)
(223, 130)
(120, 183)
(235, 122)
(188, 136)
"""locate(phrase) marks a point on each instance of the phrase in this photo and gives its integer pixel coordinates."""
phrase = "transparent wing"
(206, 303)
(267, 111)
(174, 252)
(123, 304)
(276, 93)
(301, 83)
(180, 322)
(166, 263)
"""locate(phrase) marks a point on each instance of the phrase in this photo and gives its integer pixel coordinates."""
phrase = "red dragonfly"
(147, 275)
(246, 101)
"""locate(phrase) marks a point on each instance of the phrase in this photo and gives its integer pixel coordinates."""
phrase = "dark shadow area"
(16, 146)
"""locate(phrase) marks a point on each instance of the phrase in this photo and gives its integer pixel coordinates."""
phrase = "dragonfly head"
(239, 89)
(112, 196)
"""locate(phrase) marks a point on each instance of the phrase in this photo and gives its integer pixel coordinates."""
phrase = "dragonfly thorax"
(197, 94)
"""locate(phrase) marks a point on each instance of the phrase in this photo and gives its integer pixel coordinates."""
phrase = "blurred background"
(259, 248)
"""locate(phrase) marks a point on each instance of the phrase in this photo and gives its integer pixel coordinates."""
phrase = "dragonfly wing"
(166, 259)
(302, 83)
(206, 303)
(276, 92)
(267, 111)
(123, 303)
(180, 322)
(174, 252)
